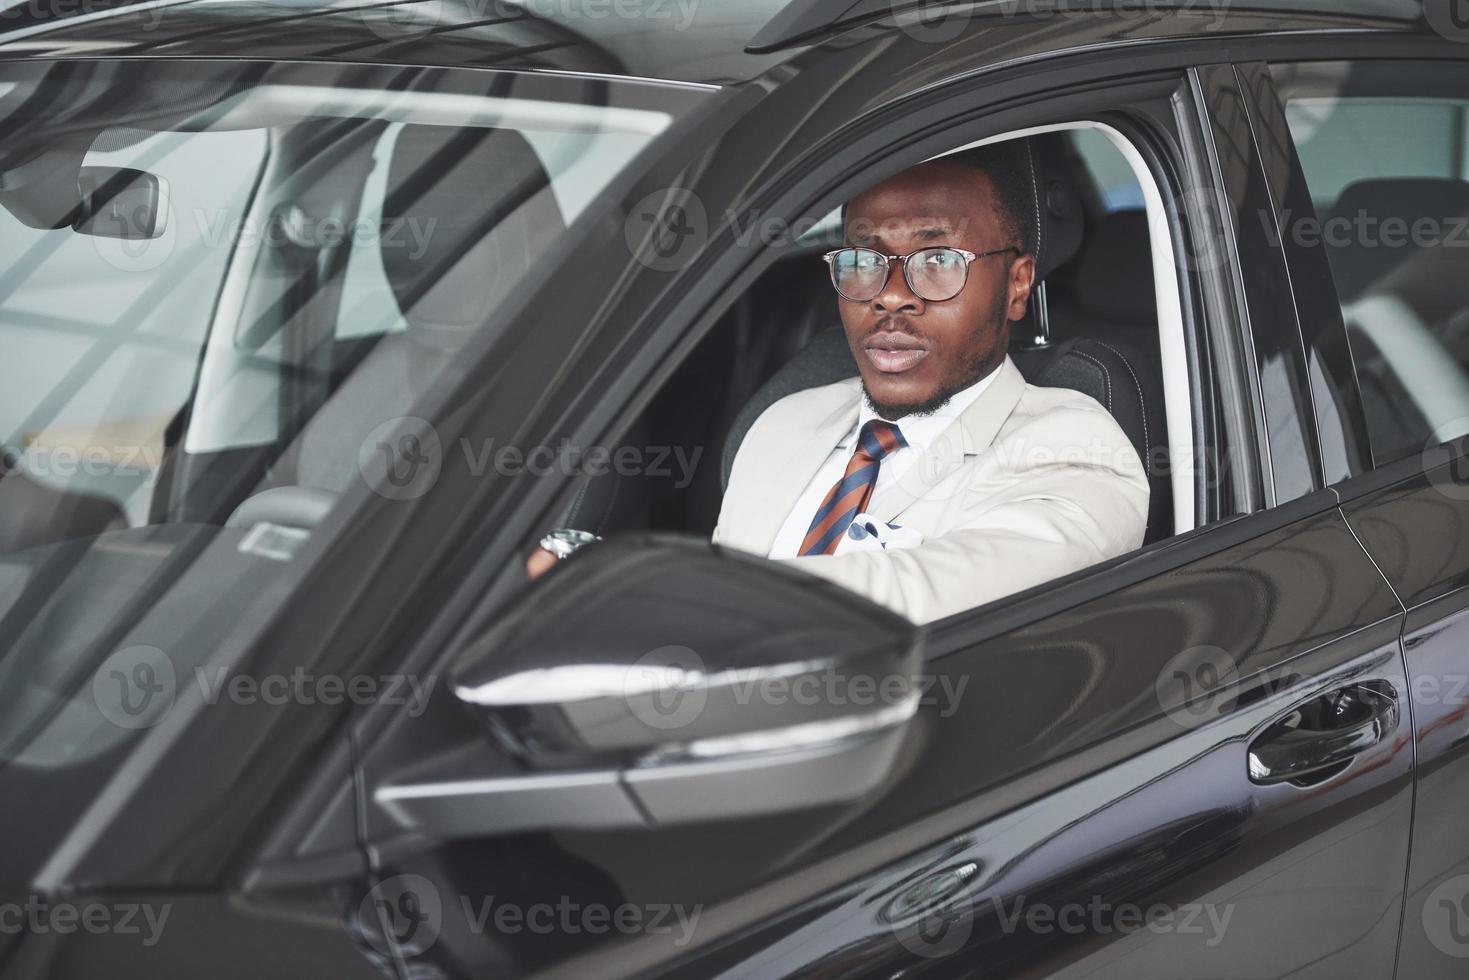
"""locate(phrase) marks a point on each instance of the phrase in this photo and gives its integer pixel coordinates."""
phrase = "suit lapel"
(792, 469)
(968, 435)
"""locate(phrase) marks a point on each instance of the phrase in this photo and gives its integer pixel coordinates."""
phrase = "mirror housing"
(118, 202)
(659, 679)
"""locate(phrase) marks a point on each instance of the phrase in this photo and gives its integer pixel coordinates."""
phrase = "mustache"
(895, 324)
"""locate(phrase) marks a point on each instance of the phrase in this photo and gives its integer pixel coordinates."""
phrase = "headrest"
(1057, 215)
(1114, 278)
(466, 213)
(1040, 169)
(1363, 247)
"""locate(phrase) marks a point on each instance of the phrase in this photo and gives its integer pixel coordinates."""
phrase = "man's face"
(914, 354)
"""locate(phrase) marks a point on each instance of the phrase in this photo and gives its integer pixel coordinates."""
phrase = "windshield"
(224, 290)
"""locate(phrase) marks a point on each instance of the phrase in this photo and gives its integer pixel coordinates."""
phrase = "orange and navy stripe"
(853, 491)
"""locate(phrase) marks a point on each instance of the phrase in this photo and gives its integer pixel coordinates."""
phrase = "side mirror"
(659, 680)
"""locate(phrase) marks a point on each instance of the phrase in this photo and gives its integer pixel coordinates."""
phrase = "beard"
(980, 366)
(892, 412)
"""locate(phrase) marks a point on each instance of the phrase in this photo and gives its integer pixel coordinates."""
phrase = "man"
(938, 479)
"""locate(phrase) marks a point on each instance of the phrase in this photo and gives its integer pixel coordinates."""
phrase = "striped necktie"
(853, 491)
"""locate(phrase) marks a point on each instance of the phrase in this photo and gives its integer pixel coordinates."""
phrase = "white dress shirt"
(919, 431)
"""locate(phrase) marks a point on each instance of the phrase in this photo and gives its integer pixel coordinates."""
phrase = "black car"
(281, 424)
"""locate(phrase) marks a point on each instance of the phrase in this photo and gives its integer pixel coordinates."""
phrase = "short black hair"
(1007, 165)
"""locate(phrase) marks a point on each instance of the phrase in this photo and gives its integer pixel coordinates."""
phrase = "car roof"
(673, 40)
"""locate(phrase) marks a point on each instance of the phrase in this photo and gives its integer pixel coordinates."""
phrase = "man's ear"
(1022, 275)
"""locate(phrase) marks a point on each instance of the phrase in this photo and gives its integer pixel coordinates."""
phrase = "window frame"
(1311, 269)
(1208, 328)
(836, 178)
(1178, 397)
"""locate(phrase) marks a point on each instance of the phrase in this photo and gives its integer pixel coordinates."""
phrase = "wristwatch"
(564, 542)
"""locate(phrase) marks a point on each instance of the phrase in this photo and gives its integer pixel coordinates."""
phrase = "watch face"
(563, 542)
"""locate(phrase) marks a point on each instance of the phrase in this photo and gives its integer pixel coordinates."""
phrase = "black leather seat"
(1112, 291)
(490, 204)
(32, 513)
(1112, 372)
(1127, 384)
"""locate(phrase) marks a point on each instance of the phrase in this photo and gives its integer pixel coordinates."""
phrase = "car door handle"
(1324, 734)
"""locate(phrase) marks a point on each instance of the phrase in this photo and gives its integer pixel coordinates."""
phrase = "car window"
(107, 328)
(1097, 332)
(223, 286)
(1117, 185)
(1385, 157)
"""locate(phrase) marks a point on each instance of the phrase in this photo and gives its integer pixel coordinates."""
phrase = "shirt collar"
(920, 431)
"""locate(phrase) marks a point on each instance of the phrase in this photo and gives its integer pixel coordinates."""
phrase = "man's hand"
(539, 563)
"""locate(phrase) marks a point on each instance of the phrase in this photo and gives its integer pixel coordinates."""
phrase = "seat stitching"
(572, 512)
(1035, 200)
(1106, 378)
(1141, 404)
(611, 507)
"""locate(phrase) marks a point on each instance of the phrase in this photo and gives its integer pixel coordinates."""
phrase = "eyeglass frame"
(969, 259)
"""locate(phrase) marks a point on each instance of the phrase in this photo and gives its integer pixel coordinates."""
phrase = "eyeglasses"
(934, 274)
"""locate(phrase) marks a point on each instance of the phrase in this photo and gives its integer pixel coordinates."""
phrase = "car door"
(1191, 761)
(1397, 300)
(1098, 809)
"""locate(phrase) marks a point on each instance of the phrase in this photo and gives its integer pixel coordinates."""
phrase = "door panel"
(1167, 865)
(1418, 530)
(1095, 759)
(1396, 298)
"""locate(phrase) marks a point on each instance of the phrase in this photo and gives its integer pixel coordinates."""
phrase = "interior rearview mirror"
(649, 680)
(117, 202)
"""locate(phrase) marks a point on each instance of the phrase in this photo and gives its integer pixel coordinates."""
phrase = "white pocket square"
(867, 533)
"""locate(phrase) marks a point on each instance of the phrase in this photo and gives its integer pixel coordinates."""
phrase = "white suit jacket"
(1027, 485)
